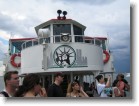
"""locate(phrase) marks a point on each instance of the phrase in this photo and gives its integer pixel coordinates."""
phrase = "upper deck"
(60, 43)
(16, 45)
(60, 30)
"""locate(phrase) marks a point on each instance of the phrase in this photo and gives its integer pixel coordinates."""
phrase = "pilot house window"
(77, 30)
(61, 28)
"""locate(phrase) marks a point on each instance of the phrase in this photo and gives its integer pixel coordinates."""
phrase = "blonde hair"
(70, 85)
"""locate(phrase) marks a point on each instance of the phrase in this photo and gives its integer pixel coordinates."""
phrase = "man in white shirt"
(11, 80)
(101, 85)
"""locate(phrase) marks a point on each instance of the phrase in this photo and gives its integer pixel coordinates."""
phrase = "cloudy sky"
(106, 18)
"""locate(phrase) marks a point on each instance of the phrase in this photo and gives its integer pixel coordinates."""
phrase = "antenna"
(11, 35)
(108, 40)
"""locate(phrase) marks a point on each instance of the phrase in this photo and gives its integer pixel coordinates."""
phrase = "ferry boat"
(60, 46)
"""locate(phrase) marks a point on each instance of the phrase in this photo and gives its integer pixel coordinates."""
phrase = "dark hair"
(120, 75)
(114, 83)
(99, 77)
(58, 74)
(125, 81)
(29, 82)
(7, 75)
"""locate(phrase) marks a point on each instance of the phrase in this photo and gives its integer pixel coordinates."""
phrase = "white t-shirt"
(1, 95)
(100, 89)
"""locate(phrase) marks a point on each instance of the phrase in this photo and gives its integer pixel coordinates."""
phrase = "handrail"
(77, 39)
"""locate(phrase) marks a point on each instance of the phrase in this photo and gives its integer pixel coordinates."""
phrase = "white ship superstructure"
(60, 46)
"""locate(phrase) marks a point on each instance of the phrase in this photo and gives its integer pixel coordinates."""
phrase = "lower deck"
(84, 78)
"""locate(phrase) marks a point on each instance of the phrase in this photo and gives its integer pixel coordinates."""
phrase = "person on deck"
(101, 85)
(11, 80)
(31, 87)
(55, 89)
(75, 90)
(116, 91)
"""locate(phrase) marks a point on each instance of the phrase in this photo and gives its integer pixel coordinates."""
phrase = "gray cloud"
(99, 16)
(91, 2)
(3, 48)
(21, 27)
(120, 44)
(120, 37)
(1, 56)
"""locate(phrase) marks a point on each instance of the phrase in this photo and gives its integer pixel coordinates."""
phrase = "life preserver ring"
(107, 56)
(13, 60)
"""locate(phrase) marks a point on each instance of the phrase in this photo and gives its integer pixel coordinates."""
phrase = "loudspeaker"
(44, 33)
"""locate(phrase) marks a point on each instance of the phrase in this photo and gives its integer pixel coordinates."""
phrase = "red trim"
(58, 19)
(88, 38)
(21, 39)
(100, 38)
(13, 60)
(107, 56)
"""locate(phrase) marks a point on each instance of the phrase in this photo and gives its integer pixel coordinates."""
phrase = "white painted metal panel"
(83, 57)
(31, 59)
(92, 54)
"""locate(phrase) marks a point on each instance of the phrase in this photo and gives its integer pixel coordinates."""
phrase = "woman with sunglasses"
(75, 90)
(31, 87)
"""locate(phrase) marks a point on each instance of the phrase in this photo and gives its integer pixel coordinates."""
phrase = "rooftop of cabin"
(62, 25)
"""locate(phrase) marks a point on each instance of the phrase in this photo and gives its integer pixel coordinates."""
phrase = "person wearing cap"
(55, 89)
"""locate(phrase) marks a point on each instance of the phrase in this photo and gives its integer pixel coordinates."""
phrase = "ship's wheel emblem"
(64, 56)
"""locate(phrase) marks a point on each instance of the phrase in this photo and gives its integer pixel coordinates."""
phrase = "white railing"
(56, 39)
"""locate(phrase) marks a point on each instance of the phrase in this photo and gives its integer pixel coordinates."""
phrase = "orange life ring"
(13, 60)
(107, 56)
